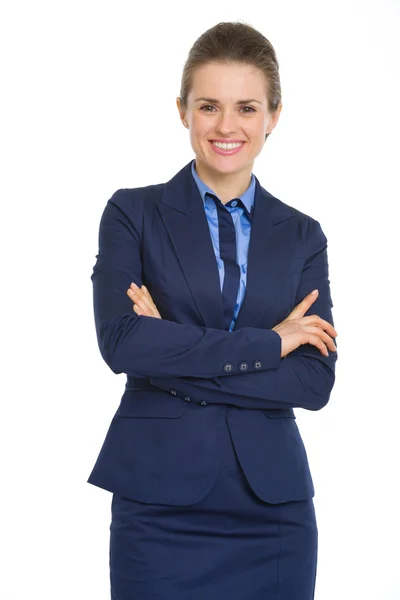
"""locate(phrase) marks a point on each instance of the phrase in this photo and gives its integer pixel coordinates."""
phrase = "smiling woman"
(228, 113)
(212, 491)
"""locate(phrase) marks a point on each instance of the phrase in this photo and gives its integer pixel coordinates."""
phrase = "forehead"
(228, 81)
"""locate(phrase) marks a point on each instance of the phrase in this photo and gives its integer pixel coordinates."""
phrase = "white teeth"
(224, 146)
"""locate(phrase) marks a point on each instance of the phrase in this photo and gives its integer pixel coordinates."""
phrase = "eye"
(205, 107)
(248, 109)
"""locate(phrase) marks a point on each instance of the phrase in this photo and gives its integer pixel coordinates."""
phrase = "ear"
(182, 112)
(274, 120)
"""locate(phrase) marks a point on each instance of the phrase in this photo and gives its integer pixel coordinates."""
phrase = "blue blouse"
(242, 224)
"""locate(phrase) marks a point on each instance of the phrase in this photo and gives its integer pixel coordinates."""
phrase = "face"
(227, 116)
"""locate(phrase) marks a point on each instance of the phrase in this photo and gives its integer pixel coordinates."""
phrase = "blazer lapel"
(271, 241)
(183, 213)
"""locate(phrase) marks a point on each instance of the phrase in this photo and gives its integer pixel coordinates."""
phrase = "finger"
(316, 341)
(146, 310)
(136, 299)
(145, 297)
(130, 294)
(147, 293)
(150, 301)
(303, 306)
(146, 313)
(142, 288)
(316, 320)
(140, 299)
(324, 337)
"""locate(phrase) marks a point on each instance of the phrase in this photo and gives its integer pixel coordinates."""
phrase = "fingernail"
(144, 288)
(135, 287)
(314, 292)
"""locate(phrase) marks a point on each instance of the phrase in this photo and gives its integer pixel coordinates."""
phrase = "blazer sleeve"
(305, 378)
(145, 346)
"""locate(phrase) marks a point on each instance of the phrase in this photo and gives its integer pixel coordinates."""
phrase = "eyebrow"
(213, 101)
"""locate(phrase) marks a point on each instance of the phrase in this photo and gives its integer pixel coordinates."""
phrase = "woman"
(212, 493)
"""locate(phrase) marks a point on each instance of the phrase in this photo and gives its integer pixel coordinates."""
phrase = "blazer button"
(187, 398)
(203, 403)
(257, 365)
(228, 367)
(243, 366)
(173, 392)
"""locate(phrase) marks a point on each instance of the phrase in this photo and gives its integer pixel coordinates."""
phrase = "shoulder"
(307, 225)
(284, 208)
(125, 209)
(129, 198)
(305, 221)
(130, 204)
(150, 195)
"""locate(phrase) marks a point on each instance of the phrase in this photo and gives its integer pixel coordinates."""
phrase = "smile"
(227, 148)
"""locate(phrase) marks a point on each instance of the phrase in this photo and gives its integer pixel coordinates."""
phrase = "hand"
(297, 329)
(143, 302)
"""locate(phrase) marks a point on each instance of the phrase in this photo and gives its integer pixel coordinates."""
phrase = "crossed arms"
(187, 358)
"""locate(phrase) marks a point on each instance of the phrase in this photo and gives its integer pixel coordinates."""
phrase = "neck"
(225, 185)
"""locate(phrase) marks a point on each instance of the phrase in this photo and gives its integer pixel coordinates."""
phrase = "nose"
(226, 123)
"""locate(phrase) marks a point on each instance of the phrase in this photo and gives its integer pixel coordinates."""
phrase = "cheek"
(195, 139)
(257, 128)
(199, 127)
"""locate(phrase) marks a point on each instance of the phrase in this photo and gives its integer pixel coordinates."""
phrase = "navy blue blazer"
(185, 373)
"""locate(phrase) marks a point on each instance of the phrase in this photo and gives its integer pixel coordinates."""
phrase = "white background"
(88, 106)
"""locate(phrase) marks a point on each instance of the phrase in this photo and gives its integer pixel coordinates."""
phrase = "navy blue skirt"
(230, 545)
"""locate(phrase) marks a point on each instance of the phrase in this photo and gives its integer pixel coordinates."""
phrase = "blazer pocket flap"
(148, 404)
(279, 413)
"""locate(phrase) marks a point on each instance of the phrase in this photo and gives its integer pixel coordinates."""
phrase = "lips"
(227, 151)
(222, 141)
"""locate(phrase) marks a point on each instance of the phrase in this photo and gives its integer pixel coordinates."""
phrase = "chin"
(226, 165)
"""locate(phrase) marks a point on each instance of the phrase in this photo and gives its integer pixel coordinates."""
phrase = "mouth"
(227, 148)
